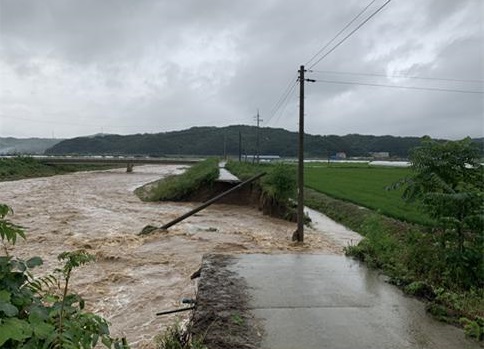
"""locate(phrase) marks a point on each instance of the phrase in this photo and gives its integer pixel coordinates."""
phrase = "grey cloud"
(176, 64)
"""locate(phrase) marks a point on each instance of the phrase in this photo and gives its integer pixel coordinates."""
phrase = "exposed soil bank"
(134, 276)
(222, 317)
(249, 195)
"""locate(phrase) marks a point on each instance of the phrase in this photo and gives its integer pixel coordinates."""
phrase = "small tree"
(448, 181)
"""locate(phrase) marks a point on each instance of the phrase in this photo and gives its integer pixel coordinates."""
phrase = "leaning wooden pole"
(211, 201)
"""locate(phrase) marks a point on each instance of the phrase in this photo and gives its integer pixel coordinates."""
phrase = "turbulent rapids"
(135, 277)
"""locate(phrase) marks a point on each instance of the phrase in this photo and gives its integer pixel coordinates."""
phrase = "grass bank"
(365, 186)
(410, 255)
(276, 188)
(180, 187)
(27, 167)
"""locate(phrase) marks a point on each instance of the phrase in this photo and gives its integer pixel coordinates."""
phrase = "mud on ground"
(221, 318)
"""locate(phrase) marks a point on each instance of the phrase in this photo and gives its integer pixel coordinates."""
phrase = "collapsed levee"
(248, 193)
(211, 201)
(222, 318)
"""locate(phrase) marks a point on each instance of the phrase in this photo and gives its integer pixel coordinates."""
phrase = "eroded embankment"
(250, 195)
(135, 277)
(222, 318)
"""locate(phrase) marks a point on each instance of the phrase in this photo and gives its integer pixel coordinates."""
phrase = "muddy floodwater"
(134, 277)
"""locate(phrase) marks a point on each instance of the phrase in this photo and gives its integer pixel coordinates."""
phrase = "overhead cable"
(287, 91)
(398, 76)
(401, 87)
(351, 33)
(341, 31)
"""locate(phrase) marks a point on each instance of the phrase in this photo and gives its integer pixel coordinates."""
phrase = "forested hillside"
(217, 141)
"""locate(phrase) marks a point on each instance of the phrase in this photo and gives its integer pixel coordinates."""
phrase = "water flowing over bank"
(135, 277)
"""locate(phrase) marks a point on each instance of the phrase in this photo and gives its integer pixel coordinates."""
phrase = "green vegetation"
(448, 180)
(277, 187)
(409, 255)
(279, 184)
(41, 312)
(27, 167)
(176, 338)
(443, 262)
(366, 186)
(179, 187)
(214, 141)
(351, 215)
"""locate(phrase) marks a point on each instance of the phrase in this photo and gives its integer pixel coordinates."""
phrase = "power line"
(286, 103)
(341, 31)
(286, 92)
(397, 76)
(351, 33)
(402, 87)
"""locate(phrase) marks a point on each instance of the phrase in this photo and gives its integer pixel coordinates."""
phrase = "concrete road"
(327, 301)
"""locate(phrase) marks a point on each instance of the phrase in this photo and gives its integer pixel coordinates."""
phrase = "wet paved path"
(225, 175)
(328, 301)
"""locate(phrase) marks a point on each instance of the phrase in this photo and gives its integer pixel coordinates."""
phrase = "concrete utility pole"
(299, 235)
(300, 169)
(258, 119)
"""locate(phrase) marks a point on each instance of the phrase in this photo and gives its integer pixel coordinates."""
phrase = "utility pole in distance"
(240, 146)
(299, 234)
(258, 119)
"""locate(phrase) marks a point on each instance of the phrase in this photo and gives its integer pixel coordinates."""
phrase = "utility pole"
(258, 119)
(299, 235)
(240, 146)
(225, 145)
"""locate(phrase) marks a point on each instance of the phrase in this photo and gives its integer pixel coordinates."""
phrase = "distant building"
(340, 156)
(262, 158)
(380, 155)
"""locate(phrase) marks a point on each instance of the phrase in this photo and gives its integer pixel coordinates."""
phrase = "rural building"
(380, 155)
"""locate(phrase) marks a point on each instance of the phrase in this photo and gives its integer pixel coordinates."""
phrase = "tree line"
(215, 141)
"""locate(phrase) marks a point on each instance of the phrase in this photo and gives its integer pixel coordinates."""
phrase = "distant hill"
(11, 146)
(213, 140)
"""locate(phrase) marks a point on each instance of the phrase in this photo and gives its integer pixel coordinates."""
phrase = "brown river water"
(134, 277)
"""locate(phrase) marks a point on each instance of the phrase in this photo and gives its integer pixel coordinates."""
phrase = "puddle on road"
(135, 277)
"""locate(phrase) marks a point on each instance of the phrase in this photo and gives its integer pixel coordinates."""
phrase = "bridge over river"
(110, 160)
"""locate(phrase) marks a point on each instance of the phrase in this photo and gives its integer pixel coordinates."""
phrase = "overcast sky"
(72, 67)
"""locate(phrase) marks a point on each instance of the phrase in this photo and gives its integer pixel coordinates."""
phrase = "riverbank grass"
(22, 167)
(410, 255)
(179, 187)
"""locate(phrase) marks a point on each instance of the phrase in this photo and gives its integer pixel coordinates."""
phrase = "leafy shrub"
(378, 248)
(473, 328)
(420, 289)
(447, 181)
(279, 183)
(41, 312)
(277, 187)
(176, 338)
